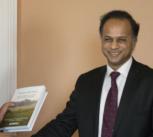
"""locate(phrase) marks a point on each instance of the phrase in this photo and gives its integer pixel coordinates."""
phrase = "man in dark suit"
(115, 100)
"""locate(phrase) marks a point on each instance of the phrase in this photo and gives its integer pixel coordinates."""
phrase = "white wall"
(8, 35)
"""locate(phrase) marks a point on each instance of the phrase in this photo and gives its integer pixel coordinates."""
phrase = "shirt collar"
(123, 70)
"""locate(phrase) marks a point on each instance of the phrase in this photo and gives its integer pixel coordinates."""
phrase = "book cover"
(28, 102)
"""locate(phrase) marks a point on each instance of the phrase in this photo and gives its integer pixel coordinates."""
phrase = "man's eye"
(107, 40)
(122, 40)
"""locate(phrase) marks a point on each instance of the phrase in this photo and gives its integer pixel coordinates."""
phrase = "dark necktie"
(110, 109)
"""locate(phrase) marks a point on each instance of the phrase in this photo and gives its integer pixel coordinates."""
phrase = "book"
(28, 102)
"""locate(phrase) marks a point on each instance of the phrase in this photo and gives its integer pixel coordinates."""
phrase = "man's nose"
(114, 45)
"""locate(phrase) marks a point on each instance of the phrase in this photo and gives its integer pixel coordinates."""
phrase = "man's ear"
(134, 42)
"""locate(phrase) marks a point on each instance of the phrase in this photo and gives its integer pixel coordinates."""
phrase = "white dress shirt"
(123, 70)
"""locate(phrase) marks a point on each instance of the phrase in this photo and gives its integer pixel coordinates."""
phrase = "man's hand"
(4, 108)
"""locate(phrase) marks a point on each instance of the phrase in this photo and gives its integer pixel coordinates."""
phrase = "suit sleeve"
(65, 123)
(151, 119)
(152, 124)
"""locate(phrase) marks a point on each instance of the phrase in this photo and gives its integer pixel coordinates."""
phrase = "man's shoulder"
(94, 73)
(97, 70)
(143, 69)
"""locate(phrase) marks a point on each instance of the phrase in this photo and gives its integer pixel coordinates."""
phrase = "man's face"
(117, 42)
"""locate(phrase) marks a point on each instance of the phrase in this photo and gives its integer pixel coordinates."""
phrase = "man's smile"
(114, 53)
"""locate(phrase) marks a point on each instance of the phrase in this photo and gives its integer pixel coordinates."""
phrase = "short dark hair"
(119, 14)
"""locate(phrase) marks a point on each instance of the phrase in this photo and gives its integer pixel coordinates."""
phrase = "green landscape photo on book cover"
(20, 114)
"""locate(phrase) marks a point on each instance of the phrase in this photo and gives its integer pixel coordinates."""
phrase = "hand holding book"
(4, 109)
(22, 115)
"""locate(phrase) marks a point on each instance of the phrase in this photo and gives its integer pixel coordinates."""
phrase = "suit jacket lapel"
(128, 94)
(98, 82)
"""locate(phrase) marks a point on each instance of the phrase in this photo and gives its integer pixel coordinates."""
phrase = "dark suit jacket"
(135, 112)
